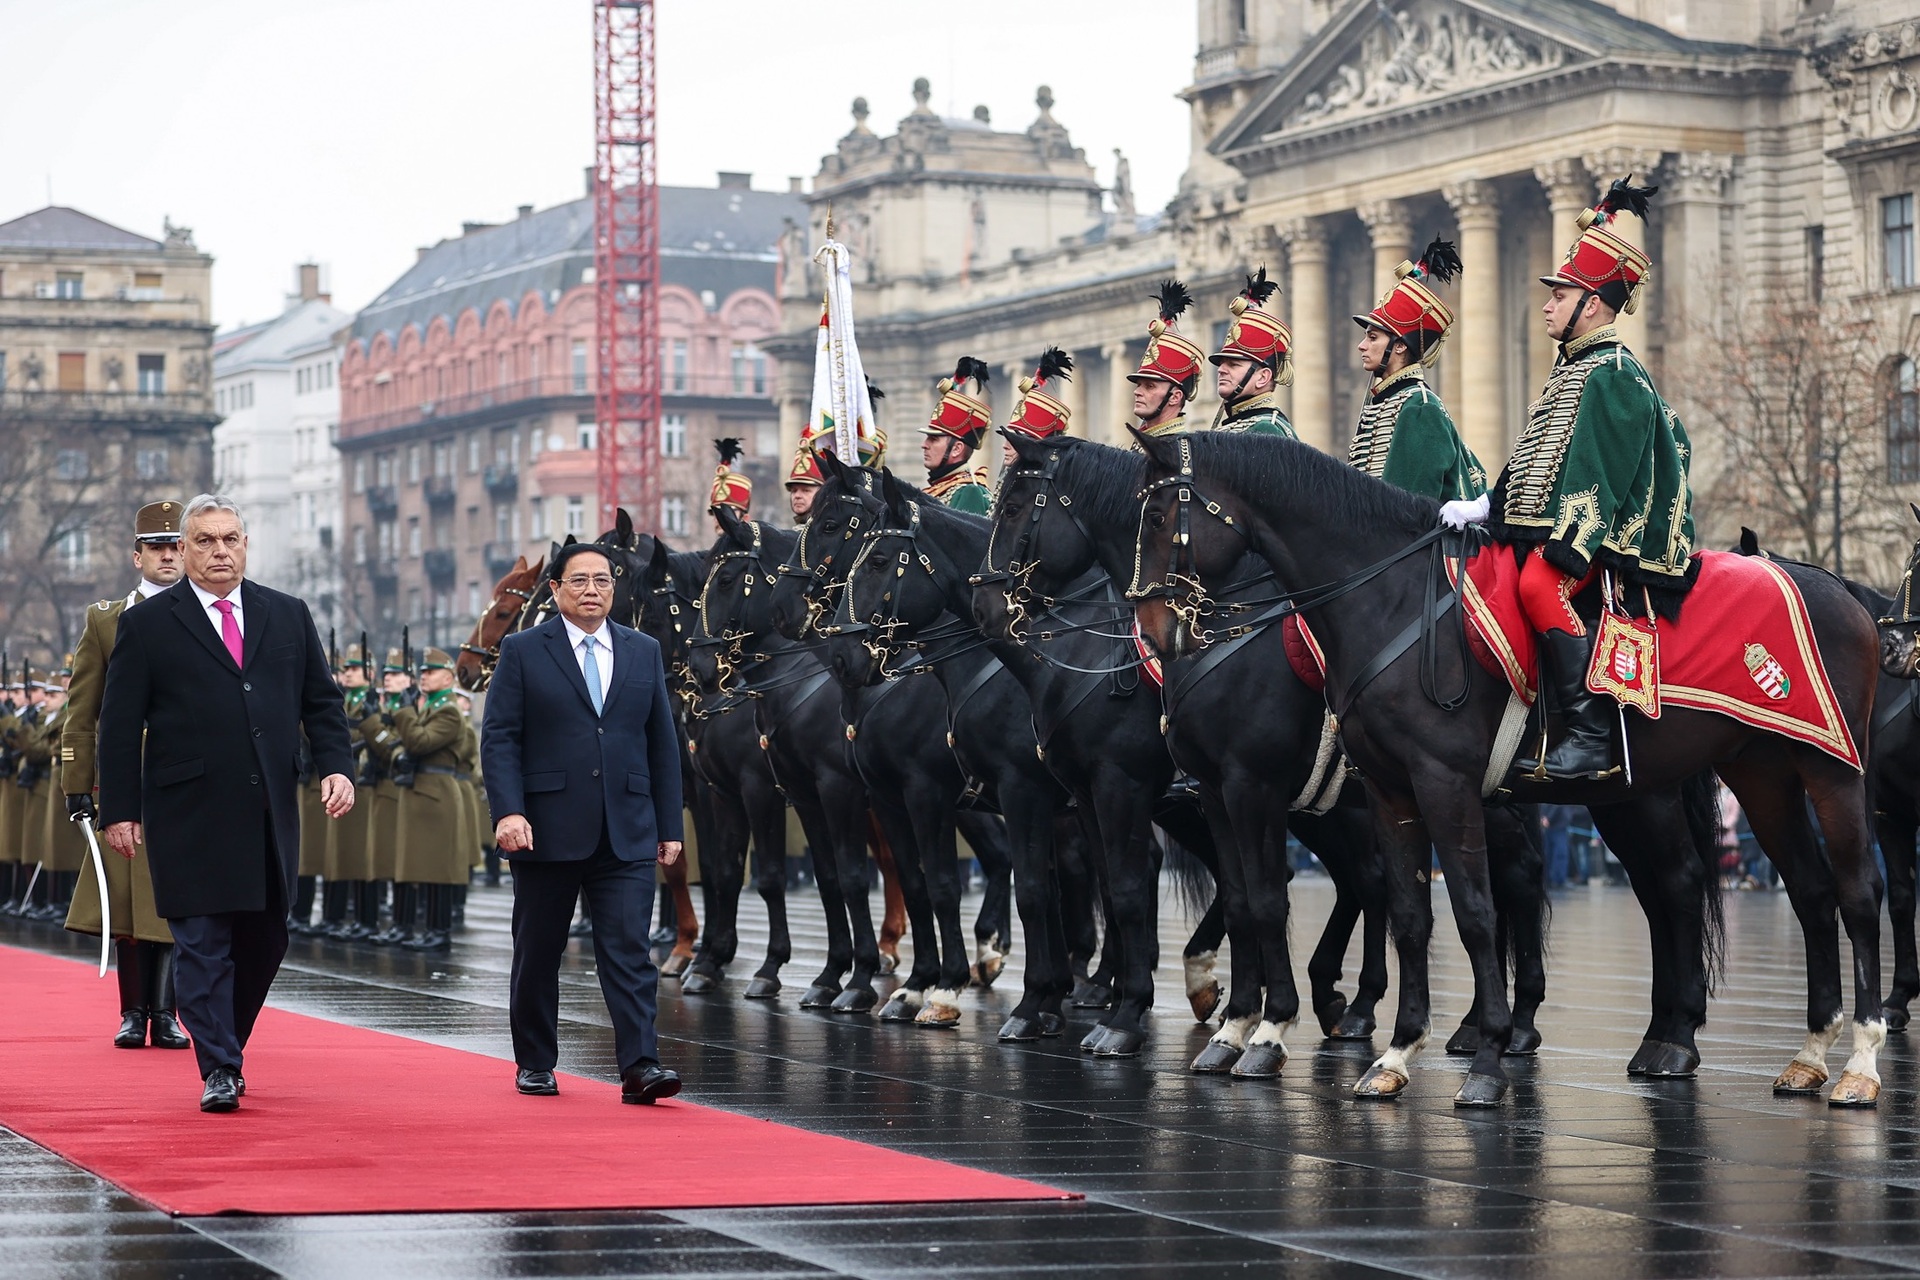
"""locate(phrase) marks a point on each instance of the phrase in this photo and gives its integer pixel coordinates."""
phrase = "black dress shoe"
(222, 1091)
(133, 1030)
(648, 1084)
(164, 1032)
(432, 940)
(539, 1084)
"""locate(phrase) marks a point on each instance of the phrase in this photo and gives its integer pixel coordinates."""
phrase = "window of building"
(75, 550)
(503, 525)
(359, 544)
(677, 365)
(473, 599)
(414, 610)
(360, 475)
(1903, 423)
(386, 540)
(66, 284)
(413, 537)
(1896, 239)
(474, 531)
(153, 375)
(536, 517)
(576, 516)
(383, 469)
(673, 435)
(1816, 264)
(579, 367)
(505, 369)
(73, 371)
(413, 464)
(151, 463)
(673, 514)
(473, 453)
(3, 371)
(443, 457)
(586, 432)
(536, 439)
(146, 287)
(749, 370)
(70, 464)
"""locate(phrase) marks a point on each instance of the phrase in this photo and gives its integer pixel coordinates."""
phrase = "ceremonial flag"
(842, 411)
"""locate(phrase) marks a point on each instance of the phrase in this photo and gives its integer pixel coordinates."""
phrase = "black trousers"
(223, 966)
(620, 897)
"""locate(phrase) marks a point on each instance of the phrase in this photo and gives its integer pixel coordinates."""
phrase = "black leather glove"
(81, 806)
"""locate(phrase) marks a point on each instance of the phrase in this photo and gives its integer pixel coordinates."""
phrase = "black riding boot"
(133, 996)
(163, 1029)
(37, 906)
(406, 900)
(1585, 749)
(669, 929)
(492, 877)
(366, 912)
(457, 900)
(333, 909)
(439, 912)
(300, 918)
(6, 887)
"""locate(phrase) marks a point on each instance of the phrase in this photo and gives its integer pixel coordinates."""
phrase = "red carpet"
(342, 1120)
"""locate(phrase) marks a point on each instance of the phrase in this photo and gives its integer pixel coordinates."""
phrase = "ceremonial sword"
(100, 877)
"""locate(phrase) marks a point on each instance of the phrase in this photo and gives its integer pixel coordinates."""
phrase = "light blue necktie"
(592, 669)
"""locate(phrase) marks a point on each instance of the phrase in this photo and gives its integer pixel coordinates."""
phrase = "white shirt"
(602, 653)
(208, 600)
(146, 589)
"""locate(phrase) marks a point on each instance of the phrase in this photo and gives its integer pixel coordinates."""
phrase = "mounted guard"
(1405, 435)
(952, 437)
(1170, 369)
(1253, 363)
(730, 488)
(1597, 480)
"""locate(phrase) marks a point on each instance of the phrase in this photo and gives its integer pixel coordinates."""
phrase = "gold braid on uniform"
(959, 478)
(1542, 447)
(1373, 436)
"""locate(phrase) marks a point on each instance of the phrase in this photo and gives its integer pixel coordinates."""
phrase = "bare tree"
(1789, 414)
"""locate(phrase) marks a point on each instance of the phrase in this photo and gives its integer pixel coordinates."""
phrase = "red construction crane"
(626, 261)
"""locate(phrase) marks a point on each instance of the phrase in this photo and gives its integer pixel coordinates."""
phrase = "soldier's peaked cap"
(158, 522)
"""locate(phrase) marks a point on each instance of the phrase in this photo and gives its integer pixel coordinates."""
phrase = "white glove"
(1460, 513)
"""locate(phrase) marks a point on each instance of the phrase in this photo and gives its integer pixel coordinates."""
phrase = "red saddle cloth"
(1303, 653)
(1744, 647)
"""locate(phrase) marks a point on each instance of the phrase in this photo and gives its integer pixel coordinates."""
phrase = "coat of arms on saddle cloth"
(1626, 663)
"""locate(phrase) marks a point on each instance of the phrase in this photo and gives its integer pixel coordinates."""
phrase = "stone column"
(1074, 395)
(1312, 380)
(1118, 410)
(1605, 166)
(1691, 200)
(1480, 352)
(1392, 233)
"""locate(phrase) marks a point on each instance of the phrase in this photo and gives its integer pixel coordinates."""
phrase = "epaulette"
(104, 605)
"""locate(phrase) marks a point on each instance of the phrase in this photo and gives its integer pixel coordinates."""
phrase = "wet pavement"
(1584, 1172)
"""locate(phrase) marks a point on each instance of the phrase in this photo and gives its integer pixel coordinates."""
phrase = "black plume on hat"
(1623, 195)
(968, 367)
(1173, 299)
(874, 392)
(1259, 288)
(1055, 364)
(1441, 261)
(729, 449)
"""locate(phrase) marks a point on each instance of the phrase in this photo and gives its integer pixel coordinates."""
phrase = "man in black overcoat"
(208, 688)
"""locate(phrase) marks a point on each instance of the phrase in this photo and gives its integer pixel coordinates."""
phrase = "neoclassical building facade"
(1332, 138)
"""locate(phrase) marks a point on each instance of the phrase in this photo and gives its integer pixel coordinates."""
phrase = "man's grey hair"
(201, 503)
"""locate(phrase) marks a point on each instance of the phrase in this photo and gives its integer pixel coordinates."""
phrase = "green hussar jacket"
(963, 489)
(1600, 473)
(1406, 437)
(1259, 416)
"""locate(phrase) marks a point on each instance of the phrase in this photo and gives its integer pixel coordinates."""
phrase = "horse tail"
(1182, 827)
(1700, 798)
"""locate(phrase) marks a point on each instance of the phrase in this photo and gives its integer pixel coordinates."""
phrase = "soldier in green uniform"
(1597, 480)
(1253, 363)
(436, 839)
(1170, 370)
(958, 425)
(313, 846)
(13, 873)
(475, 787)
(143, 944)
(383, 830)
(19, 788)
(59, 867)
(66, 846)
(1405, 435)
(349, 861)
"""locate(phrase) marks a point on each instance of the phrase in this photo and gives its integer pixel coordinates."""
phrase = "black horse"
(1209, 498)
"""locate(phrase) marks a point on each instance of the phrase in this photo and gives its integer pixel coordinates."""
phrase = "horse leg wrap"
(1400, 1060)
(1271, 1033)
(943, 1008)
(1808, 1070)
(1199, 969)
(1859, 1084)
(1234, 1031)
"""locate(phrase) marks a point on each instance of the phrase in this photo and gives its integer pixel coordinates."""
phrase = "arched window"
(1903, 423)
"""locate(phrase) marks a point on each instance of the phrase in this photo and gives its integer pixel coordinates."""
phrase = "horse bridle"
(1015, 579)
(490, 655)
(819, 586)
(1183, 592)
(732, 644)
(876, 634)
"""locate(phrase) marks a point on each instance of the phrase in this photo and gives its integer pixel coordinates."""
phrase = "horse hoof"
(1897, 1018)
(1260, 1062)
(820, 995)
(1379, 1084)
(1481, 1091)
(1205, 1002)
(1120, 1043)
(1090, 995)
(1052, 1024)
(1331, 1014)
(1353, 1026)
(985, 972)
(901, 1006)
(675, 965)
(762, 987)
(1019, 1030)
(855, 1000)
(1855, 1090)
(1091, 1041)
(941, 1017)
(1663, 1060)
(889, 961)
(1525, 1042)
(1215, 1059)
(1803, 1078)
(699, 983)
(1465, 1042)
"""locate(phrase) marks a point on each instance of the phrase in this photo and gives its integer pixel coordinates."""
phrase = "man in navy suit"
(583, 774)
(209, 687)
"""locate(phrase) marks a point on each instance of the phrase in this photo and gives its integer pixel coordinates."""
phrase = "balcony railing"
(1221, 61)
(503, 481)
(385, 574)
(500, 557)
(724, 385)
(382, 500)
(112, 405)
(440, 564)
(441, 491)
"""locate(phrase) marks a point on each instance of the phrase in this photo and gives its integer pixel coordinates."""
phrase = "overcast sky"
(351, 131)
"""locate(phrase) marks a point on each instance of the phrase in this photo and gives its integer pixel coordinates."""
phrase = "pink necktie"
(230, 631)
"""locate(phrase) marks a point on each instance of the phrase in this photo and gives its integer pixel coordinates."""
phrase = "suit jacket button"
(600, 731)
(596, 773)
(253, 779)
(256, 733)
(246, 688)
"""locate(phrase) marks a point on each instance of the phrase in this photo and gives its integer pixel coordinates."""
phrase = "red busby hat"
(1602, 262)
(1039, 414)
(1257, 334)
(1411, 309)
(962, 416)
(1170, 357)
(730, 488)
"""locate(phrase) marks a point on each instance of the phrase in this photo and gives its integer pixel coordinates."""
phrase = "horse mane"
(1314, 484)
(687, 569)
(1105, 481)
